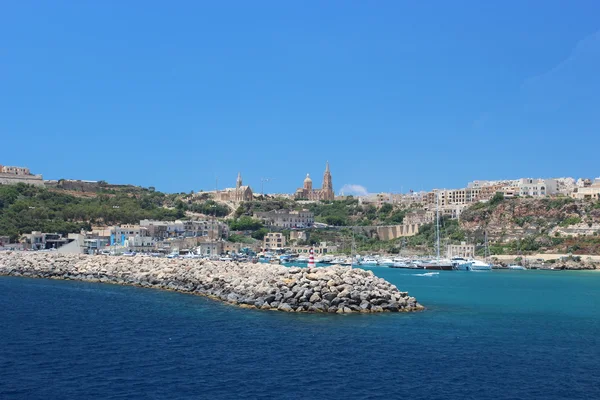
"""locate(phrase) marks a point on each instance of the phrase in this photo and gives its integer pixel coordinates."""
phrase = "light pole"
(262, 185)
(213, 207)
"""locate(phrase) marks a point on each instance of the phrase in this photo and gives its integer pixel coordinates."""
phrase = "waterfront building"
(43, 241)
(210, 248)
(325, 193)
(160, 230)
(287, 219)
(461, 250)
(273, 241)
(322, 248)
(237, 194)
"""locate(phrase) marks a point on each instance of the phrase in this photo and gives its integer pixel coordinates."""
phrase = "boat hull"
(437, 267)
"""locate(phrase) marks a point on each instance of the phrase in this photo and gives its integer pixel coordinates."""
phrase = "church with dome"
(308, 193)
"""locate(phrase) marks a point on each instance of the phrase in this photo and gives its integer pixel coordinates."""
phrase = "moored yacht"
(477, 265)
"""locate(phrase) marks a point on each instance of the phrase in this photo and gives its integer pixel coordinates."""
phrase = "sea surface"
(484, 335)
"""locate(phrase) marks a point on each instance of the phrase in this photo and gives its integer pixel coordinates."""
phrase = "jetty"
(333, 289)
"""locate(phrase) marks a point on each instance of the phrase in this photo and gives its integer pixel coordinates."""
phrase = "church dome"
(307, 179)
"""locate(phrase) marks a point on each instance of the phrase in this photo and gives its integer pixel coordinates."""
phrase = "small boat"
(225, 258)
(302, 259)
(368, 261)
(428, 274)
(385, 262)
(516, 267)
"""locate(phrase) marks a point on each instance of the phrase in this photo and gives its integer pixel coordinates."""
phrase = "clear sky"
(397, 95)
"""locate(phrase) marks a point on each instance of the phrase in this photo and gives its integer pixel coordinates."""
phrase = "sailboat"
(437, 264)
(477, 265)
(474, 265)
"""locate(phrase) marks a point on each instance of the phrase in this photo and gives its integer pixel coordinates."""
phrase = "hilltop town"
(520, 216)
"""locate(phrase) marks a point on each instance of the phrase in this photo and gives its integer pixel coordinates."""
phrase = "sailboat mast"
(437, 224)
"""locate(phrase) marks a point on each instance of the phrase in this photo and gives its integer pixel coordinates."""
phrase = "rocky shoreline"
(333, 289)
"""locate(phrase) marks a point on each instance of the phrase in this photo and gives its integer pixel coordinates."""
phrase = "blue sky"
(395, 94)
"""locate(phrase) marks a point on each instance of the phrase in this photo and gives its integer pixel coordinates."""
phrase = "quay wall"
(333, 289)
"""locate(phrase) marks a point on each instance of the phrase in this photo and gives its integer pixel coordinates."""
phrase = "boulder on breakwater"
(332, 289)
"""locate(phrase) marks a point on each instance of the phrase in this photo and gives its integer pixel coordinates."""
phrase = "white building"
(537, 187)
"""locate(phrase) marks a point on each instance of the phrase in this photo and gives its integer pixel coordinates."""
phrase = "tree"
(245, 223)
(260, 233)
(498, 198)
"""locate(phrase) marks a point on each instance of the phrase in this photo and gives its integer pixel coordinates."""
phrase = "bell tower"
(327, 184)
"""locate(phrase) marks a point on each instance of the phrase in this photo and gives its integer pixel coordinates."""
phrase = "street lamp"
(214, 211)
(262, 184)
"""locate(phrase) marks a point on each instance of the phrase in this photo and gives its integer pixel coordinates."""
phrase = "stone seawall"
(333, 289)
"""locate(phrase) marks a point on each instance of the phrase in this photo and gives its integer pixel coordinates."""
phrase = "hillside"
(527, 225)
(26, 208)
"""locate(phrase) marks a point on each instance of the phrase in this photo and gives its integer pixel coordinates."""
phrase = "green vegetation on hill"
(346, 212)
(26, 208)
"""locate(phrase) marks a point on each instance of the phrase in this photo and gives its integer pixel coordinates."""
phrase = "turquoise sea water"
(485, 335)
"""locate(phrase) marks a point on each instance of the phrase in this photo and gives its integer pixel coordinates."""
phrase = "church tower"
(327, 184)
(308, 183)
(238, 183)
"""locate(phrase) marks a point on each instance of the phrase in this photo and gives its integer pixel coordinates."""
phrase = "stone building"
(325, 193)
(237, 194)
(273, 241)
(591, 192)
(14, 175)
(461, 250)
(287, 219)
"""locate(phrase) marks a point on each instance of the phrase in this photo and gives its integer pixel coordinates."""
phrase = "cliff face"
(547, 220)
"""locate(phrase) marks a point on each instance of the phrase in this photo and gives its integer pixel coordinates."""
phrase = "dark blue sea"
(484, 335)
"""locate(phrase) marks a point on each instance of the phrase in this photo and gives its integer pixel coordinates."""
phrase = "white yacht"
(477, 265)
(461, 264)
(386, 262)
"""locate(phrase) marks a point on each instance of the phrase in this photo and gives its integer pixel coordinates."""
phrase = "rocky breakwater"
(333, 289)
